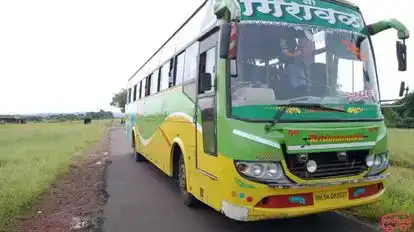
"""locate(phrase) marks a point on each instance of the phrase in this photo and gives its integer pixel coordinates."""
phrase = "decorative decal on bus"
(354, 49)
(293, 132)
(242, 184)
(334, 138)
(298, 11)
(359, 191)
(289, 110)
(295, 110)
(373, 129)
(297, 200)
(360, 95)
(355, 110)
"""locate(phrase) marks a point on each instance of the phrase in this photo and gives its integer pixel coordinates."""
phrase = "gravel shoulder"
(76, 200)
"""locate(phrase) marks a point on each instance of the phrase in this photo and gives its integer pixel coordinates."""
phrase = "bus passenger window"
(144, 87)
(164, 76)
(179, 69)
(135, 93)
(171, 74)
(148, 86)
(154, 82)
(140, 89)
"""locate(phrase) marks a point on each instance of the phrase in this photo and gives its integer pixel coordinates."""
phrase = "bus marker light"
(234, 194)
(249, 199)
(241, 195)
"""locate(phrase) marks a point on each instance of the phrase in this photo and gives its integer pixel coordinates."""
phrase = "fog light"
(311, 166)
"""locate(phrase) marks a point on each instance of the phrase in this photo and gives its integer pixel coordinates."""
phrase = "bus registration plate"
(331, 196)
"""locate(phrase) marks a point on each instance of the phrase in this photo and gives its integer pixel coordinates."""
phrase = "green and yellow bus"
(266, 109)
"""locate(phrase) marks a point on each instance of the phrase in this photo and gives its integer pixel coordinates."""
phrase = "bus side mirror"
(396, 103)
(403, 88)
(228, 40)
(205, 82)
(401, 56)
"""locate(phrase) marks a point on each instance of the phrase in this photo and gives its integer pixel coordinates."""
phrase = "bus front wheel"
(138, 156)
(188, 198)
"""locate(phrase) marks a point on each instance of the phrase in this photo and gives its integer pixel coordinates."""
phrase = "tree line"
(66, 117)
(403, 116)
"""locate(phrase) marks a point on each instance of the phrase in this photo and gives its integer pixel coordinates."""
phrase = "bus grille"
(329, 164)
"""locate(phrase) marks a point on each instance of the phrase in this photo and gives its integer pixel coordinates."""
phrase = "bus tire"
(188, 199)
(138, 156)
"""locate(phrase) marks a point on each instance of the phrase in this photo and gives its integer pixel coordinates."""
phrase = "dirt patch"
(75, 202)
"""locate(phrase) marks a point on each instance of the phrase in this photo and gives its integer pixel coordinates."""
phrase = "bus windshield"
(280, 64)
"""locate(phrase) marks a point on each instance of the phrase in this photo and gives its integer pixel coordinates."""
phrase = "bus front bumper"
(306, 200)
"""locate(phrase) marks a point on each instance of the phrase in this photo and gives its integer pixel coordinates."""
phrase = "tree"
(402, 117)
(119, 99)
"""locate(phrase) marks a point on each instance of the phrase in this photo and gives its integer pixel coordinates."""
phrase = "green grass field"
(32, 156)
(399, 196)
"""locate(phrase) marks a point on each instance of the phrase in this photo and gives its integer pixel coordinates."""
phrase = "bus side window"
(140, 89)
(207, 65)
(179, 69)
(171, 74)
(144, 87)
(154, 83)
(158, 73)
(135, 92)
(164, 76)
(148, 85)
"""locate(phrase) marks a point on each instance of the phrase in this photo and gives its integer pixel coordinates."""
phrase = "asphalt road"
(142, 198)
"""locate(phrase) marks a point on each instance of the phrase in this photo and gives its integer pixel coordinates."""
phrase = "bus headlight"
(267, 171)
(257, 170)
(377, 161)
(370, 160)
(380, 163)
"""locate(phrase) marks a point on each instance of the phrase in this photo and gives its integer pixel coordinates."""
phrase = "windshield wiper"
(280, 113)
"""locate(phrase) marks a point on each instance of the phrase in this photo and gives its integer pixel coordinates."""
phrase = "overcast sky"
(67, 56)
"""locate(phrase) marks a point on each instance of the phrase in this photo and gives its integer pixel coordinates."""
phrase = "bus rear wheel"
(188, 198)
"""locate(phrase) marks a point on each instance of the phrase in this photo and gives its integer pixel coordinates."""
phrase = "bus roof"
(346, 2)
(172, 36)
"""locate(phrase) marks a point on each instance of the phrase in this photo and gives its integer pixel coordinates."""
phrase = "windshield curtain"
(280, 64)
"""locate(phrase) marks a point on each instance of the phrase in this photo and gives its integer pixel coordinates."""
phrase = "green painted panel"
(150, 112)
(310, 12)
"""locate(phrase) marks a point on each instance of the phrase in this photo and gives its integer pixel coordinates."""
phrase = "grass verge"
(399, 195)
(32, 156)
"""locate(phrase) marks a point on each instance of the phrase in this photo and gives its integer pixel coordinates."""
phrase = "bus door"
(206, 111)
